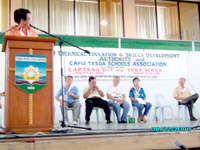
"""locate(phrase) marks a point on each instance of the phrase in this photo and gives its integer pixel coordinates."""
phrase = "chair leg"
(161, 114)
(179, 112)
(103, 116)
(113, 113)
(155, 115)
(149, 117)
(97, 114)
(184, 113)
(135, 116)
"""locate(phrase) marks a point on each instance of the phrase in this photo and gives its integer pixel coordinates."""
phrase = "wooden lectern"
(24, 112)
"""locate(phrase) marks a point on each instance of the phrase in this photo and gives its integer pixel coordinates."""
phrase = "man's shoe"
(143, 119)
(87, 123)
(123, 121)
(119, 122)
(193, 119)
(109, 121)
(75, 123)
(66, 123)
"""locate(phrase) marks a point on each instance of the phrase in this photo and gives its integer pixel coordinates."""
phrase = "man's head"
(68, 80)
(136, 81)
(92, 81)
(22, 17)
(182, 81)
(116, 80)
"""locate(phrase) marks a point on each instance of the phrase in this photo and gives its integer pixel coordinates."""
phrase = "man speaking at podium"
(23, 18)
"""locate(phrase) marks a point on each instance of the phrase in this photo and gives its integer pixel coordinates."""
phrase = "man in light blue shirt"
(71, 97)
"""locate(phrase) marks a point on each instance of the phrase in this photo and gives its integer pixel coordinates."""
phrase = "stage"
(107, 136)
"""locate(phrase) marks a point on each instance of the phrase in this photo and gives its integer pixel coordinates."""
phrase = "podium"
(25, 112)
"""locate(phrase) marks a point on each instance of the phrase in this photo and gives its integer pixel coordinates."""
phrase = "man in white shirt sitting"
(116, 99)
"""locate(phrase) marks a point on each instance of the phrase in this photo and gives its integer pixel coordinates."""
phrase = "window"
(4, 12)
(87, 17)
(145, 19)
(168, 27)
(111, 18)
(62, 17)
(189, 17)
(39, 12)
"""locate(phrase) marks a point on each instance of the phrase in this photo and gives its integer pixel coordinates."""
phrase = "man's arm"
(133, 99)
(58, 99)
(177, 97)
(87, 93)
(145, 98)
(111, 97)
(73, 95)
(100, 92)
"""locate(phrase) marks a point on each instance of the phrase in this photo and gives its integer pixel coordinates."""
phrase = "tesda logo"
(30, 72)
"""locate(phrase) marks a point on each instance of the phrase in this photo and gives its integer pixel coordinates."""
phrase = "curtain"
(39, 12)
(164, 24)
(62, 17)
(119, 20)
(145, 22)
(87, 18)
(167, 22)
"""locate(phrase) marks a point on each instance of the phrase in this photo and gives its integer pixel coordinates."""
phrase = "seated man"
(184, 97)
(116, 99)
(71, 96)
(138, 99)
(92, 95)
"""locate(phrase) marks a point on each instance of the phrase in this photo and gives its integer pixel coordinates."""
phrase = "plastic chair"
(97, 113)
(135, 115)
(112, 112)
(161, 105)
(184, 112)
(72, 109)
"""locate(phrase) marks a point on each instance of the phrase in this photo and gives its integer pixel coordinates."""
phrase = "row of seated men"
(116, 99)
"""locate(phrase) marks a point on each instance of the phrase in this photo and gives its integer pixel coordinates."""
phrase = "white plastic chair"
(112, 112)
(72, 109)
(161, 104)
(135, 115)
(184, 111)
(97, 114)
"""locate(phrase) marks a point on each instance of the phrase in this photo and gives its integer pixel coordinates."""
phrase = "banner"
(30, 72)
(125, 63)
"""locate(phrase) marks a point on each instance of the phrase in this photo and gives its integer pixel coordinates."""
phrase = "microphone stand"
(10, 131)
(61, 41)
(196, 127)
(7, 31)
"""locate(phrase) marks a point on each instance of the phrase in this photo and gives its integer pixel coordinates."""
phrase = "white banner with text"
(125, 63)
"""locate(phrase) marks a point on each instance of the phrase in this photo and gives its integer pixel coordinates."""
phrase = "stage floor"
(113, 128)
(109, 136)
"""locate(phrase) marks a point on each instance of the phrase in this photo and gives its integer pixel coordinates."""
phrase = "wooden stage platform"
(106, 137)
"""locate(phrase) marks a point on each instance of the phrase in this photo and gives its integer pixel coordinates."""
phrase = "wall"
(152, 87)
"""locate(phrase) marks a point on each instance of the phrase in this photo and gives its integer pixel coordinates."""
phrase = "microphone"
(8, 30)
(30, 25)
(179, 144)
(86, 51)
